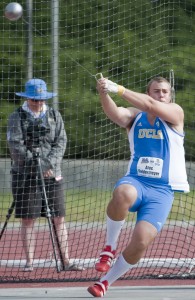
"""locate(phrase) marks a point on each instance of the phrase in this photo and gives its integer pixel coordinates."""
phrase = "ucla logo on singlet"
(150, 134)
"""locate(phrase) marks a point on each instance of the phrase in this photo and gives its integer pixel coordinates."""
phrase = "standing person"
(156, 169)
(32, 126)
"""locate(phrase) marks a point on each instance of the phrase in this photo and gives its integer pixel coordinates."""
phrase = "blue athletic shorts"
(153, 203)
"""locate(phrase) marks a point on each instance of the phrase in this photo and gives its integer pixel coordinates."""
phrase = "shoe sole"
(93, 293)
(29, 269)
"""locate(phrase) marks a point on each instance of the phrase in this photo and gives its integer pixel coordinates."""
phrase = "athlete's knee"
(124, 195)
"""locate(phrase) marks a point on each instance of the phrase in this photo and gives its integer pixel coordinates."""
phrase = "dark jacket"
(52, 143)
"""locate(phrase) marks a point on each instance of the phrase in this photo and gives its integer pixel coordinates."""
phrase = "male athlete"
(156, 169)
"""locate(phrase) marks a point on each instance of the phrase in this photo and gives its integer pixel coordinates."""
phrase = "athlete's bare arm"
(120, 115)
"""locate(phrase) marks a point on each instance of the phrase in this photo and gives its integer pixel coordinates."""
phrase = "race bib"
(150, 167)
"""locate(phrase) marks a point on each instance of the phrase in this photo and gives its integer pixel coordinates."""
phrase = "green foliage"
(129, 41)
(6, 109)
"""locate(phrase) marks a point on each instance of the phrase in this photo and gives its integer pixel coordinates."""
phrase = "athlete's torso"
(157, 153)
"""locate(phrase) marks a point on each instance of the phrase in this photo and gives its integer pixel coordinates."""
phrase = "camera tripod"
(52, 228)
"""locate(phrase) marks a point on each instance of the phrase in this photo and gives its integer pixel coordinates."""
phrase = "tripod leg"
(58, 243)
(48, 213)
(53, 240)
(10, 211)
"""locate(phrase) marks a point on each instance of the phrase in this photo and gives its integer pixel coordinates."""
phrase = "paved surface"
(119, 293)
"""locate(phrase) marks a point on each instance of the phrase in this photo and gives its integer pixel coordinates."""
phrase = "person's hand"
(105, 86)
(48, 173)
(102, 86)
(112, 87)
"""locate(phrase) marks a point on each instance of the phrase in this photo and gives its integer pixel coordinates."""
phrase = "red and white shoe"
(98, 289)
(105, 261)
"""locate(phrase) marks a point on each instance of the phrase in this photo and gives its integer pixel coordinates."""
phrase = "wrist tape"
(121, 90)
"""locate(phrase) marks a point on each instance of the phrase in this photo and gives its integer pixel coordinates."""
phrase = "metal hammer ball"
(13, 11)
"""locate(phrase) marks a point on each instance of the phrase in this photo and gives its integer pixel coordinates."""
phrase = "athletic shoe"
(28, 268)
(105, 261)
(98, 289)
(73, 267)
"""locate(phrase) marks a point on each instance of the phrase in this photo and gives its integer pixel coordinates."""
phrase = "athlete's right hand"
(105, 86)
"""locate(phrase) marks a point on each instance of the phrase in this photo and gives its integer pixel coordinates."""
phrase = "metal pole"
(172, 83)
(55, 48)
(29, 51)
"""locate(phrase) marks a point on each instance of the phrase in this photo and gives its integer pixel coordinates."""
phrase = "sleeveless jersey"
(157, 154)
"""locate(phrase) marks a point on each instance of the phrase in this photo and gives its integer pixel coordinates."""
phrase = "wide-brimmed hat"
(36, 89)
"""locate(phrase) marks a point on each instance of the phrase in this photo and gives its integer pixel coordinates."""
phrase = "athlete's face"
(160, 91)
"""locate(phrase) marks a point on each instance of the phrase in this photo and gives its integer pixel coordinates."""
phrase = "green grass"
(90, 206)
(81, 205)
(183, 207)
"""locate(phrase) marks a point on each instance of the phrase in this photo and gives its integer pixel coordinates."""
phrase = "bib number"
(150, 167)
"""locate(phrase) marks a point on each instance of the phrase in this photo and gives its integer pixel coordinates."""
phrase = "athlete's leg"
(124, 197)
(152, 214)
(143, 235)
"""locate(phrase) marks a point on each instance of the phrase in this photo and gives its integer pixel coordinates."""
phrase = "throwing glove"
(113, 87)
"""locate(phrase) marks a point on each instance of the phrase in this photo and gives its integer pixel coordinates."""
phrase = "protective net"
(66, 43)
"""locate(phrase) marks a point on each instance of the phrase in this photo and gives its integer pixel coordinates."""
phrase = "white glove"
(113, 87)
